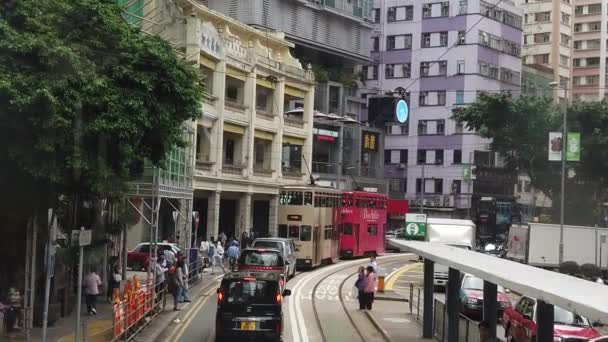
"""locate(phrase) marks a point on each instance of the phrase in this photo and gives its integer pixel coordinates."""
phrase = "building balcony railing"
(232, 169)
(292, 172)
(258, 171)
(293, 122)
(209, 98)
(204, 165)
(329, 168)
(265, 115)
(234, 106)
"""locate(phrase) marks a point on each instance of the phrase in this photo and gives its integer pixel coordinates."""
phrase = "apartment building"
(549, 27)
(439, 56)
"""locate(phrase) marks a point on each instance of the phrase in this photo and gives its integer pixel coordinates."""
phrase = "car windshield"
(561, 316)
(269, 244)
(251, 292)
(474, 283)
(260, 258)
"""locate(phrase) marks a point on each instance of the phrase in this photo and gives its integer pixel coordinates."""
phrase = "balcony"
(292, 172)
(233, 169)
(235, 107)
(294, 122)
(204, 165)
(262, 172)
(328, 168)
(265, 115)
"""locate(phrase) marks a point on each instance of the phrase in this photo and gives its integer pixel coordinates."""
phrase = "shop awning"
(397, 206)
(293, 140)
(264, 135)
(232, 128)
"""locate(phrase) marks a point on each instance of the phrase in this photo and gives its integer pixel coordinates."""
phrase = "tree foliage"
(519, 129)
(84, 100)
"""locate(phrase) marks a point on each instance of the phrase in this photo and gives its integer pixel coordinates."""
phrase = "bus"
(362, 224)
(308, 215)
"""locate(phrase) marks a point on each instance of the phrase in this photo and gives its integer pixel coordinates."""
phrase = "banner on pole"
(555, 146)
(573, 146)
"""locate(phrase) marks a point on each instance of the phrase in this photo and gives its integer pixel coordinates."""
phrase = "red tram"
(362, 224)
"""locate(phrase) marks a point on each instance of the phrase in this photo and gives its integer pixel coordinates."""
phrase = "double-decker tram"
(362, 224)
(308, 215)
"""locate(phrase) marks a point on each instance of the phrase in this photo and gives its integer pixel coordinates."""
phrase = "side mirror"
(508, 290)
(597, 324)
(286, 292)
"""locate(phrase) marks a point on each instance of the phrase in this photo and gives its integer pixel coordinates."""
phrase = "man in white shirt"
(91, 284)
(204, 249)
(373, 263)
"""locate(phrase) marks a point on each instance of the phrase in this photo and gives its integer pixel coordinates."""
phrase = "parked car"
(263, 260)
(250, 304)
(139, 258)
(520, 323)
(471, 297)
(287, 248)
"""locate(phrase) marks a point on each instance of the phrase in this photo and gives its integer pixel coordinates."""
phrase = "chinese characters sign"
(370, 141)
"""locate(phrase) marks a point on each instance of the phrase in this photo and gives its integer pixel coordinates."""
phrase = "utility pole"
(49, 258)
(564, 108)
(422, 184)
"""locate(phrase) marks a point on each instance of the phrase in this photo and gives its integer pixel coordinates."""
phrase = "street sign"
(85, 237)
(415, 226)
(573, 148)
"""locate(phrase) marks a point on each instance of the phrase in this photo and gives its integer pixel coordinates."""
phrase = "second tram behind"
(362, 224)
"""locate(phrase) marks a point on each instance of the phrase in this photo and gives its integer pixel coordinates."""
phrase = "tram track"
(342, 300)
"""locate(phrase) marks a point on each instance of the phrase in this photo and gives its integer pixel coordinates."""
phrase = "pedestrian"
(218, 253)
(233, 254)
(170, 257)
(370, 286)
(222, 238)
(110, 289)
(174, 285)
(184, 295)
(91, 284)
(114, 281)
(160, 283)
(360, 285)
(373, 263)
(204, 250)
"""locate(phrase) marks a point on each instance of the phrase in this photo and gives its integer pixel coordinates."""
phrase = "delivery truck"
(537, 244)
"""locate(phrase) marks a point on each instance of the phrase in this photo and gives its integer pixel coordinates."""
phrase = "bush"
(590, 271)
(569, 267)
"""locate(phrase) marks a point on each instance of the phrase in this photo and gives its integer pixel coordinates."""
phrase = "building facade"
(439, 56)
(548, 37)
(246, 144)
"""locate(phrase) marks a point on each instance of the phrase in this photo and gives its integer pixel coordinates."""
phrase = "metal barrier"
(416, 301)
(140, 303)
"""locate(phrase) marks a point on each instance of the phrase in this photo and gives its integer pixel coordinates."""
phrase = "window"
(456, 186)
(374, 72)
(596, 26)
(541, 59)
(229, 152)
(459, 96)
(593, 44)
(404, 129)
(426, 10)
(439, 186)
(400, 13)
(419, 185)
(457, 159)
(424, 69)
(231, 93)
(375, 43)
(441, 98)
(426, 40)
(439, 157)
(407, 70)
(422, 127)
(461, 37)
(578, 10)
(592, 80)
(409, 13)
(372, 230)
(398, 42)
(283, 231)
(389, 71)
(541, 38)
(542, 17)
(398, 185)
(593, 61)
(390, 42)
(565, 39)
(565, 18)
(387, 157)
(422, 98)
(443, 39)
(403, 157)
(376, 15)
(565, 60)
(346, 229)
(328, 232)
(594, 8)
(443, 68)
(578, 27)
(388, 129)
(578, 44)
(294, 232)
(460, 67)
(445, 8)
(421, 157)
(441, 127)
(305, 233)
(459, 128)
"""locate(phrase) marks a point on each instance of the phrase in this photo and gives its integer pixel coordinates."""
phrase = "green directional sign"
(415, 226)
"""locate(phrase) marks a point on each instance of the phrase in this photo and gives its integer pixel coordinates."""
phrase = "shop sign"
(370, 141)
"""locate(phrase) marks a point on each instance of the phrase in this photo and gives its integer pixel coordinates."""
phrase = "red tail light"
(279, 298)
(220, 296)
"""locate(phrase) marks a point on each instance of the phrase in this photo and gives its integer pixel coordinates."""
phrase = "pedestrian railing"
(140, 303)
(468, 329)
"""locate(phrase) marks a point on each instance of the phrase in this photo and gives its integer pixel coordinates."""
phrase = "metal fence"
(468, 331)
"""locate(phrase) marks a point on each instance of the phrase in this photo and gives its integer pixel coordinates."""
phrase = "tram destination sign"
(294, 217)
(415, 226)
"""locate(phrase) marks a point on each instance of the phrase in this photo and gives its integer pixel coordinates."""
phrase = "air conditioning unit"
(402, 166)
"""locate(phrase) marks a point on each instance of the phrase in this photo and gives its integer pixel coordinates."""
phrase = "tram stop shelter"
(586, 298)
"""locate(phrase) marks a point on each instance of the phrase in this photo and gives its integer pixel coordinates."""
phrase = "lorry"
(453, 232)
(537, 244)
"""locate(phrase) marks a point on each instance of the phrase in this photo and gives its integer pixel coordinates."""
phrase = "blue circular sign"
(402, 111)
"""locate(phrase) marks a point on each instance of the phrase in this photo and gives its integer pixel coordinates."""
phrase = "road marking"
(187, 319)
(395, 275)
(396, 320)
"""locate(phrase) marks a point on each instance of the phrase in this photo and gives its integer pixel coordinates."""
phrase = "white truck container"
(453, 232)
(537, 244)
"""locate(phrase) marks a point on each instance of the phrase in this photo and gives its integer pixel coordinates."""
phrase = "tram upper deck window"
(291, 198)
(347, 200)
(294, 232)
(308, 198)
(306, 233)
(347, 229)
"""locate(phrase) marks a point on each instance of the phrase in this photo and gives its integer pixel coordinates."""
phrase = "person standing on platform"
(360, 285)
(370, 287)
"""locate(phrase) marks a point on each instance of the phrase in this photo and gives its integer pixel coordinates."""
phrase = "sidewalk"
(99, 328)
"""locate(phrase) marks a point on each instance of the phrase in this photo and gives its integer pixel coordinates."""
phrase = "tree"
(519, 129)
(84, 100)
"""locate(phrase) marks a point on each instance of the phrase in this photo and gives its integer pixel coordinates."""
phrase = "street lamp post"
(564, 108)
